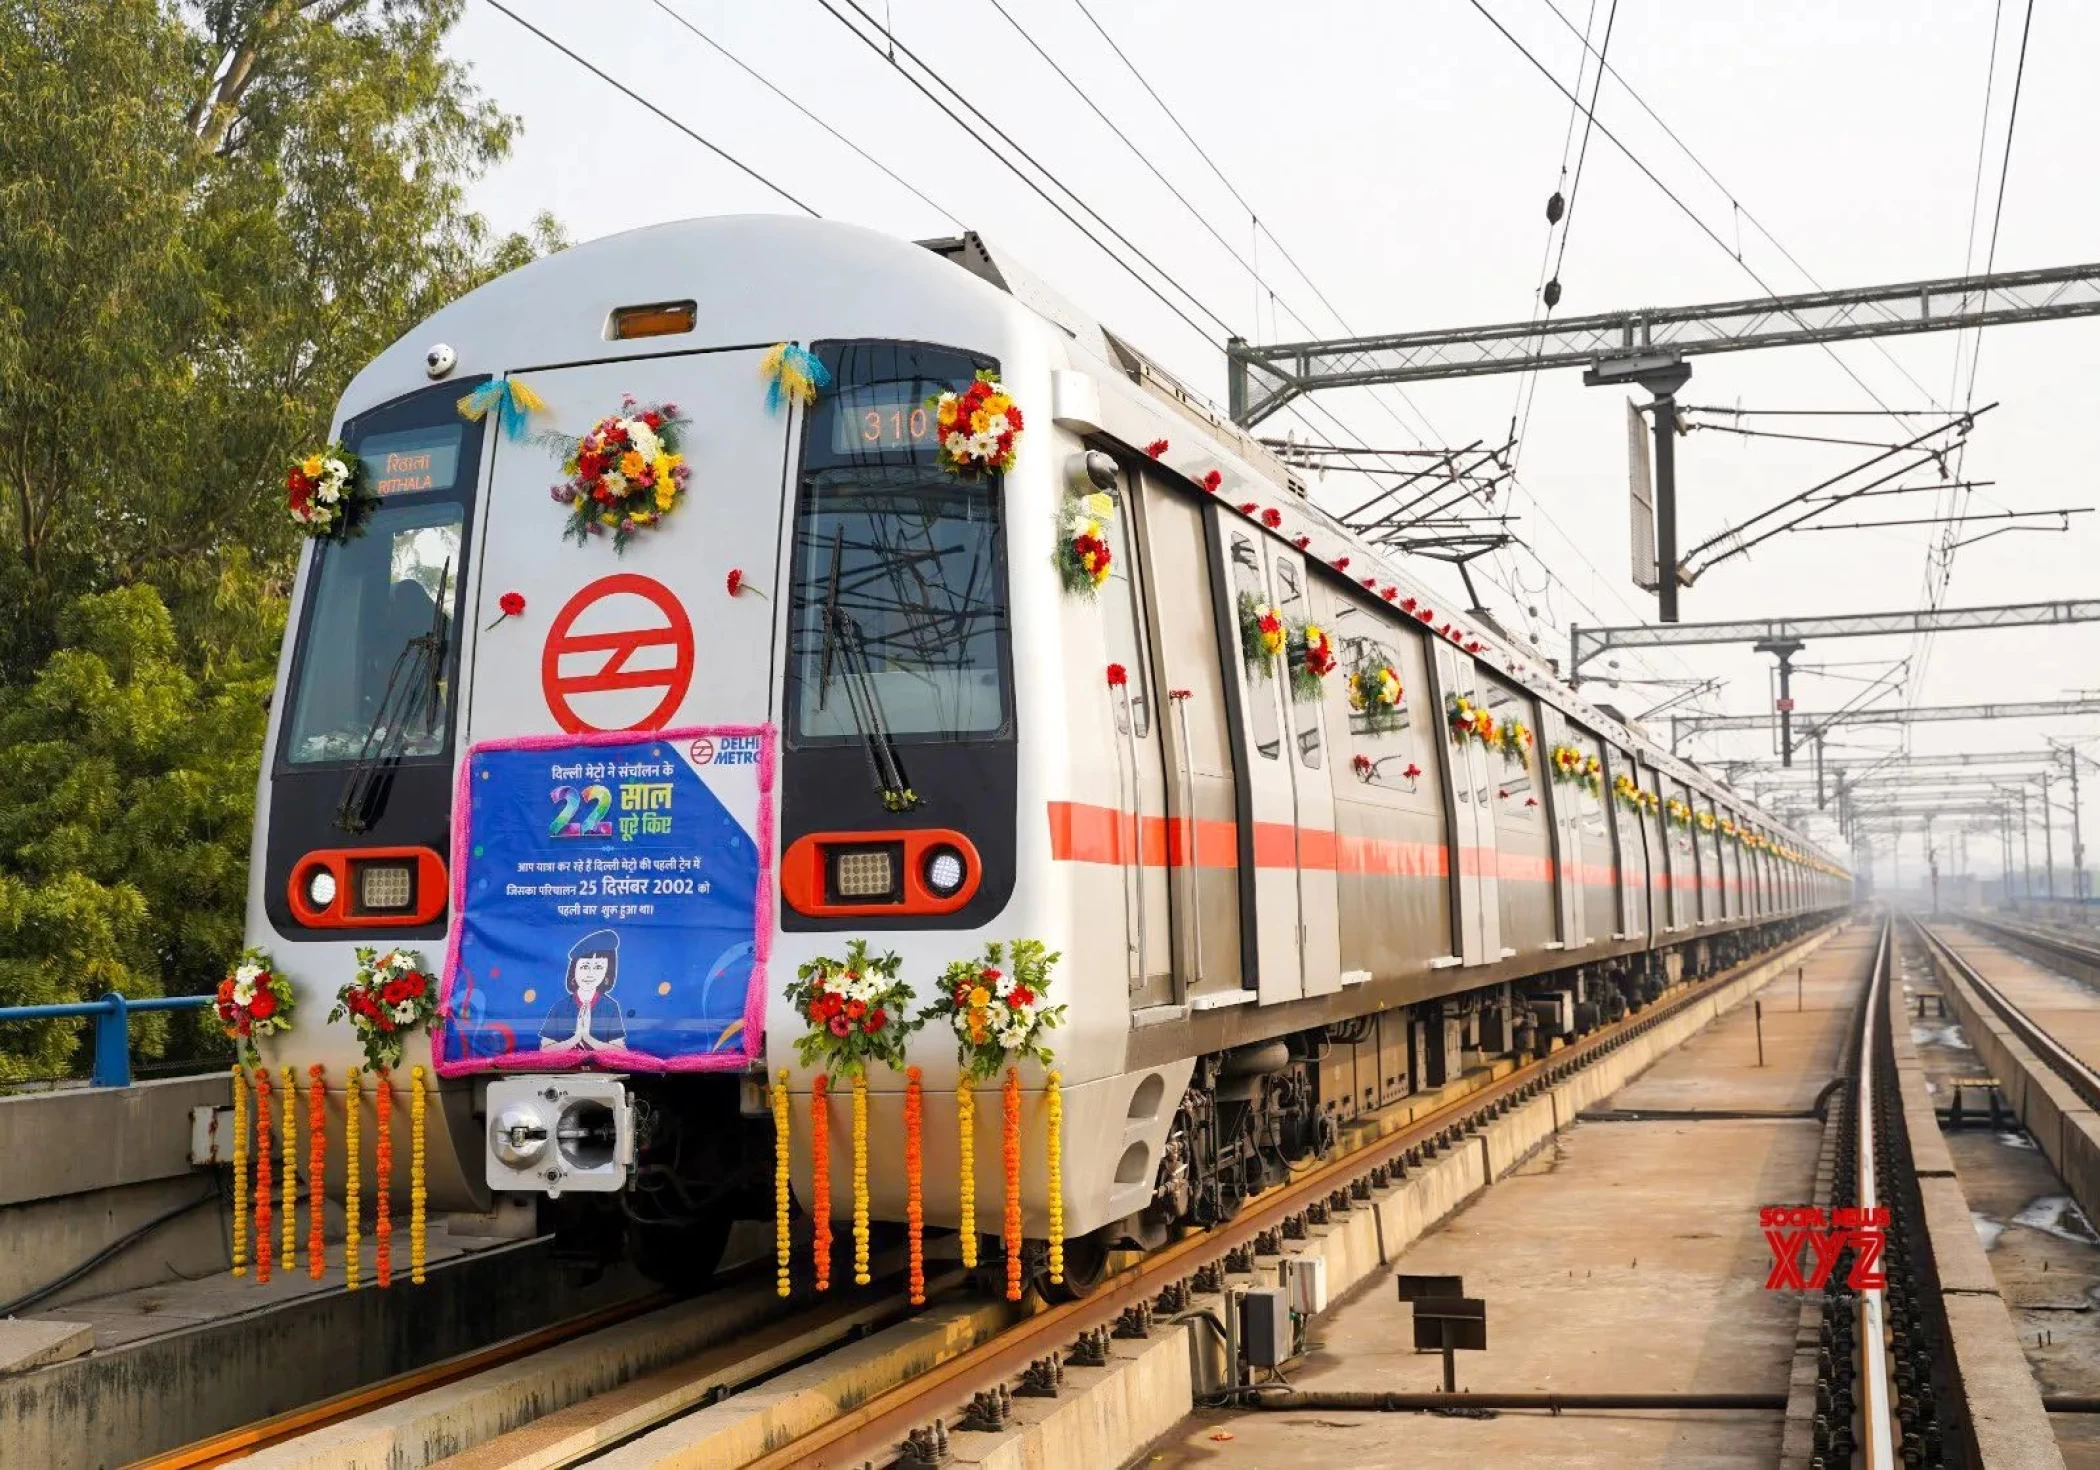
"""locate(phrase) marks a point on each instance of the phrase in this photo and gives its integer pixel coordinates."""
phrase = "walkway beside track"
(1626, 1257)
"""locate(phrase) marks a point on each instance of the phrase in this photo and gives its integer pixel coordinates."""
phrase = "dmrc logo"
(726, 750)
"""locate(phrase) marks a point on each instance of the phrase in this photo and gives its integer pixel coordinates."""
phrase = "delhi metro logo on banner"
(636, 639)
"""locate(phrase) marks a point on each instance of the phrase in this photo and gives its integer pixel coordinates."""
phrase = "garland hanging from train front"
(625, 475)
(998, 1007)
(255, 1000)
(325, 494)
(391, 995)
(858, 1012)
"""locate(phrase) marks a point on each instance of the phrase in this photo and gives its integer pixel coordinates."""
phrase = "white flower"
(1005, 987)
(247, 975)
(335, 471)
(957, 443)
(328, 492)
(644, 440)
(404, 1013)
(615, 482)
(243, 992)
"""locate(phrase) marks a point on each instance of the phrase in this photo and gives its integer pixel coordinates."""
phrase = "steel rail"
(1878, 1392)
(874, 1429)
(2081, 1077)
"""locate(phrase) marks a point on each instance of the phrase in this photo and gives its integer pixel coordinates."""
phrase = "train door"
(1633, 852)
(612, 642)
(1312, 780)
(1268, 802)
(1472, 805)
(1141, 775)
(1566, 849)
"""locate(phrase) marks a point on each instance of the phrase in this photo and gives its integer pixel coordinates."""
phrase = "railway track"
(803, 1330)
(2076, 1073)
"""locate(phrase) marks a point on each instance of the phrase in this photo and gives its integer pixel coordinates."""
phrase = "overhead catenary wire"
(709, 144)
(752, 72)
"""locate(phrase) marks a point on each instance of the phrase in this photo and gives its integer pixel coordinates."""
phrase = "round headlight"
(945, 871)
(518, 1137)
(320, 888)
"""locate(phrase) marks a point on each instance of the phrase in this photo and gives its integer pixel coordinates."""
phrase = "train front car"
(814, 606)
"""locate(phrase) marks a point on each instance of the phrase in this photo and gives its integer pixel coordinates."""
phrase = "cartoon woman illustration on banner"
(588, 1017)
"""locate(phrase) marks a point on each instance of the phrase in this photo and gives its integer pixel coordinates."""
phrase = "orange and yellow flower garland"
(240, 1170)
(290, 1103)
(966, 1148)
(418, 1199)
(1054, 1159)
(353, 1103)
(262, 1174)
(782, 1244)
(914, 1178)
(820, 1176)
(861, 1276)
(316, 1171)
(1013, 1183)
(382, 1203)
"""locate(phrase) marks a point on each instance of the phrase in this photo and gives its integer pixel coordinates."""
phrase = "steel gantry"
(1682, 726)
(1263, 378)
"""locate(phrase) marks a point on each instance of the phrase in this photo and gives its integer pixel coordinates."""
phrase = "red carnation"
(263, 1006)
(989, 976)
(416, 986)
(1370, 581)
(1412, 771)
(1021, 996)
(1248, 508)
(1408, 605)
(653, 419)
(1427, 615)
(1363, 767)
(1302, 542)
(1156, 448)
(735, 580)
(831, 1004)
(1211, 481)
(1272, 517)
(1118, 676)
(1390, 594)
(877, 1019)
(1341, 563)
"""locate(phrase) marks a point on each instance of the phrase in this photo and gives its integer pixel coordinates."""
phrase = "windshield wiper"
(842, 642)
(413, 691)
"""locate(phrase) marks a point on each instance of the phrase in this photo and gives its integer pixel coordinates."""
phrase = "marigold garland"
(860, 1179)
(1012, 1151)
(263, 1242)
(382, 1202)
(353, 1104)
(820, 1175)
(966, 1150)
(240, 1170)
(289, 1102)
(1054, 1159)
(418, 1196)
(782, 1245)
(316, 1171)
(914, 1180)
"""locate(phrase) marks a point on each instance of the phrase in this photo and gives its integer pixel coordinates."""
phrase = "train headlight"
(385, 887)
(320, 888)
(518, 1136)
(945, 871)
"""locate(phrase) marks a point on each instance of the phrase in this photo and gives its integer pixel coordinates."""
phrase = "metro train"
(1283, 896)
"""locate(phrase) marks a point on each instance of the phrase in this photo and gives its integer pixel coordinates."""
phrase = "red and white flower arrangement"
(858, 1010)
(1312, 659)
(254, 1001)
(980, 428)
(323, 493)
(1083, 557)
(392, 995)
(625, 475)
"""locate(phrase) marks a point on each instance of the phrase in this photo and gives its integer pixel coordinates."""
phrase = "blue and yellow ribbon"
(792, 372)
(512, 400)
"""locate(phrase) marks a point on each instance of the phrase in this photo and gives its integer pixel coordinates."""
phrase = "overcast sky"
(1402, 154)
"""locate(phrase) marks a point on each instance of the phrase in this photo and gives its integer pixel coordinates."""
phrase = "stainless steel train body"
(1273, 914)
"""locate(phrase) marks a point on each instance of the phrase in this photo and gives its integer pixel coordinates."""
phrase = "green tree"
(212, 213)
(125, 808)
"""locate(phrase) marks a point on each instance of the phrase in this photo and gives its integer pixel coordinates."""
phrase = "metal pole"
(1819, 771)
(2077, 836)
(2048, 841)
(1665, 410)
(1760, 1009)
(2026, 851)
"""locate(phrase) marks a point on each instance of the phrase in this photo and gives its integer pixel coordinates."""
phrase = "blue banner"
(609, 903)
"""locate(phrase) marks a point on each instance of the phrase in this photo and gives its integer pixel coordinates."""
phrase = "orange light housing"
(349, 867)
(662, 319)
(808, 867)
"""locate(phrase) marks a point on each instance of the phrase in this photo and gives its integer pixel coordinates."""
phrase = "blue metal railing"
(111, 1015)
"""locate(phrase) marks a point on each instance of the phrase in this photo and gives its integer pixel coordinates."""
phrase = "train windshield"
(899, 616)
(379, 615)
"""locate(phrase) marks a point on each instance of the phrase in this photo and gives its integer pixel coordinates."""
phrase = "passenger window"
(1251, 595)
(1384, 740)
(1126, 616)
(1513, 762)
(1305, 713)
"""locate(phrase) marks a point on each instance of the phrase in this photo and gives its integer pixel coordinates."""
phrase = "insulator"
(1553, 290)
(1555, 208)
